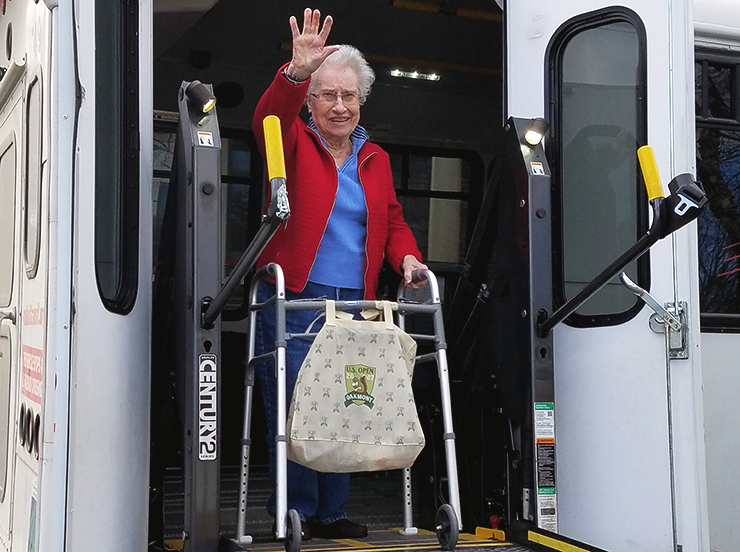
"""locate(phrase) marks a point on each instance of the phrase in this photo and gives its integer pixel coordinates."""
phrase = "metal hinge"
(666, 317)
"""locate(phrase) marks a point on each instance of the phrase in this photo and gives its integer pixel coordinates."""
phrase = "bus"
(631, 445)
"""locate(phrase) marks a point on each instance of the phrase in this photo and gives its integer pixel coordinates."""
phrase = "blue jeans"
(314, 495)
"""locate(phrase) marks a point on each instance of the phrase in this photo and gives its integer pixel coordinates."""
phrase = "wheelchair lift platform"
(528, 539)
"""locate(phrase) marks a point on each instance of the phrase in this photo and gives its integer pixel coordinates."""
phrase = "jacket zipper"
(315, 253)
(367, 219)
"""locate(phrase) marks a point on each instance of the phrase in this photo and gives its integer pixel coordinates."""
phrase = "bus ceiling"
(173, 18)
(238, 46)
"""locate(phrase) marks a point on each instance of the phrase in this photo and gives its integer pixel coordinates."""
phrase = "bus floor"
(375, 500)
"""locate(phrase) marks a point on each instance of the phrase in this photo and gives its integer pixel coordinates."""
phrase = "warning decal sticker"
(205, 138)
(544, 431)
(537, 168)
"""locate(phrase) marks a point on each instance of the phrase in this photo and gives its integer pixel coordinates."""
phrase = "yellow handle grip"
(274, 147)
(650, 172)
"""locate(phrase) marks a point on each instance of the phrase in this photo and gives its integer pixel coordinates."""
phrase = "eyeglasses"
(348, 98)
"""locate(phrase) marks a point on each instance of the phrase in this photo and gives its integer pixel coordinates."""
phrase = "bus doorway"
(435, 108)
(613, 376)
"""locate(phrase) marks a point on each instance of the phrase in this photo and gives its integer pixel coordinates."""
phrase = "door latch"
(668, 317)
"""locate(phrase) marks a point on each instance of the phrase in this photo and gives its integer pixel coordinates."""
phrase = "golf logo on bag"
(360, 380)
(353, 364)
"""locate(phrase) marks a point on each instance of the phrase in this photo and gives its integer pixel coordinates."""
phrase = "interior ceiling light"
(446, 7)
(414, 75)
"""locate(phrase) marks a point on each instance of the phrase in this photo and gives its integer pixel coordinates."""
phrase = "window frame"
(124, 107)
(553, 72)
(32, 261)
(11, 141)
(473, 198)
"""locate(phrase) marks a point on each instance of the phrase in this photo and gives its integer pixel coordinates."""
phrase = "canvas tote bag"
(353, 408)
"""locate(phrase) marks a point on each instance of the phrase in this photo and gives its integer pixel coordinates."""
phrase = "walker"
(287, 522)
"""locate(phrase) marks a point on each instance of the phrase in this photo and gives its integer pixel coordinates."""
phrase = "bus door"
(628, 434)
(11, 109)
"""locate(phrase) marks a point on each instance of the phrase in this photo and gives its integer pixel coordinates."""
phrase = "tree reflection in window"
(718, 169)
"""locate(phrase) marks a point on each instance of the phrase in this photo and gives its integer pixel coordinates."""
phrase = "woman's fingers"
(307, 16)
(315, 22)
(294, 27)
(324, 34)
(311, 21)
(309, 51)
(410, 265)
(311, 25)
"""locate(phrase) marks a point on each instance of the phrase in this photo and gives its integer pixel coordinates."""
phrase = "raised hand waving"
(309, 49)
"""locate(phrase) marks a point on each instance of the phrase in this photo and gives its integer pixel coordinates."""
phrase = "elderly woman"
(345, 220)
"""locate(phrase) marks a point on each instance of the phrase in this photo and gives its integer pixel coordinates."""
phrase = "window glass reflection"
(433, 192)
(599, 179)
(718, 168)
(720, 84)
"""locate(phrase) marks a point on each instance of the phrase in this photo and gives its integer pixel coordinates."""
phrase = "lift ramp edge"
(523, 538)
(540, 540)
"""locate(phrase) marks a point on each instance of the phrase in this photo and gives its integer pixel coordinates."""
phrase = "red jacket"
(312, 186)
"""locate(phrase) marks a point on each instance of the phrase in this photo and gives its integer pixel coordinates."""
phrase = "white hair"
(350, 56)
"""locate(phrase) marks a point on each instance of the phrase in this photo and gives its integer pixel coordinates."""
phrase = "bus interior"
(436, 107)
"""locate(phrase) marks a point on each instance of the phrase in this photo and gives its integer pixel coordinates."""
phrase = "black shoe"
(340, 529)
(305, 530)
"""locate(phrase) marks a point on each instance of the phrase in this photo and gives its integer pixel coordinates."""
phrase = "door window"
(597, 86)
(7, 219)
(32, 238)
(117, 154)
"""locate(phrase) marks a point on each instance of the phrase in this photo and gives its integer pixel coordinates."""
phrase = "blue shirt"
(340, 260)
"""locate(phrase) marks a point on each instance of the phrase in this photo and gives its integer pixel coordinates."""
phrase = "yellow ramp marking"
(554, 543)
(486, 533)
(473, 538)
(354, 543)
(410, 546)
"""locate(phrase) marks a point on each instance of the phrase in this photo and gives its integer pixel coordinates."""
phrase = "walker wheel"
(447, 527)
(293, 532)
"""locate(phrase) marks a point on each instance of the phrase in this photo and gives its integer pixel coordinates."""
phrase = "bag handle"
(388, 315)
(331, 313)
(384, 307)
